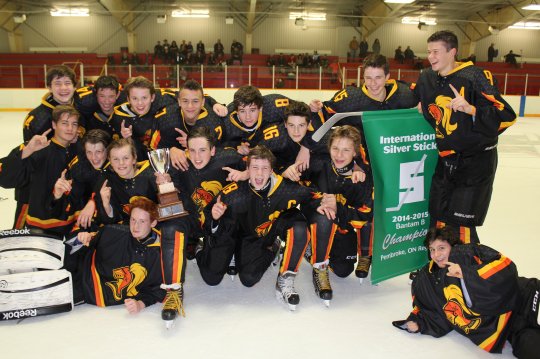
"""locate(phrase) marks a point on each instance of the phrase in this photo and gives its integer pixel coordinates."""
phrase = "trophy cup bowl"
(169, 206)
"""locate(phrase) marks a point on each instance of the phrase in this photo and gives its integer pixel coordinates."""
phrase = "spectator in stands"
(398, 55)
(299, 60)
(125, 58)
(218, 49)
(409, 54)
(316, 59)
(270, 61)
(199, 57)
(281, 60)
(292, 61)
(173, 50)
(280, 83)
(183, 48)
(158, 50)
(211, 59)
(200, 47)
(166, 53)
(363, 47)
(189, 53)
(353, 48)
(472, 58)
(510, 58)
(237, 51)
(376, 47)
(492, 52)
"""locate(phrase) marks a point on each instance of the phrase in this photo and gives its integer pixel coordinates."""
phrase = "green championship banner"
(403, 155)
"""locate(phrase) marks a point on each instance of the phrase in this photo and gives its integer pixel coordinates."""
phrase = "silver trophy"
(170, 206)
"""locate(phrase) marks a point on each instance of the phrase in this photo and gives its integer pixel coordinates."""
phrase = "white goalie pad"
(25, 295)
(24, 253)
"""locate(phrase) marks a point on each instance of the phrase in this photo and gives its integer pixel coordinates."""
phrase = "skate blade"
(361, 281)
(326, 303)
(279, 297)
(232, 277)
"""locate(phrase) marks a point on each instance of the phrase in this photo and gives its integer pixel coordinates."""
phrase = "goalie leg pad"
(32, 294)
(23, 253)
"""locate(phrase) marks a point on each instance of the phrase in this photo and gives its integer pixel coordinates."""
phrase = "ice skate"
(231, 270)
(285, 291)
(321, 282)
(172, 305)
(362, 268)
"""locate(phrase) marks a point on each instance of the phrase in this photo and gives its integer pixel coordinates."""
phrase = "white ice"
(230, 321)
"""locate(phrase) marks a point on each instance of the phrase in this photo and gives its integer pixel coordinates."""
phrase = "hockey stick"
(321, 131)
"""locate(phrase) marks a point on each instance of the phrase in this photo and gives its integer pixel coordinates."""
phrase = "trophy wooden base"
(170, 206)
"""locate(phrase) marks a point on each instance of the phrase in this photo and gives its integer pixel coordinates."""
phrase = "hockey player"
(466, 110)
(476, 291)
(60, 81)
(39, 164)
(96, 103)
(174, 122)
(379, 92)
(76, 193)
(249, 113)
(337, 248)
(247, 218)
(122, 264)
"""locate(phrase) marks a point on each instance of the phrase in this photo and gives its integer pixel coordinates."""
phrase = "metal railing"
(274, 77)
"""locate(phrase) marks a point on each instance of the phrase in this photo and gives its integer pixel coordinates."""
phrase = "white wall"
(103, 34)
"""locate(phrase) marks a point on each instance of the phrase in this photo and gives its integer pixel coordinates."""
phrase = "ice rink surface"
(230, 321)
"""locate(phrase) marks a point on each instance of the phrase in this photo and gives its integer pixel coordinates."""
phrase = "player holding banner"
(464, 106)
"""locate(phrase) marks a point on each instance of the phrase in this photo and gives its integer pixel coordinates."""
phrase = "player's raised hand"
(292, 173)
(182, 139)
(302, 159)
(84, 219)
(62, 185)
(236, 175)
(105, 193)
(36, 143)
(126, 131)
(178, 159)
(220, 110)
(218, 209)
(458, 103)
(454, 270)
(315, 105)
(243, 149)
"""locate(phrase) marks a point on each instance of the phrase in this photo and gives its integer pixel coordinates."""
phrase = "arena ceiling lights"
(202, 13)
(419, 20)
(313, 16)
(526, 25)
(80, 11)
(532, 6)
(398, 1)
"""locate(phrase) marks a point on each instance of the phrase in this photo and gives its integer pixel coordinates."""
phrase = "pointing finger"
(47, 132)
(456, 93)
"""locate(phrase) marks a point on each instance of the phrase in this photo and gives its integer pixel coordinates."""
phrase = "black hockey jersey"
(458, 131)
(479, 307)
(118, 266)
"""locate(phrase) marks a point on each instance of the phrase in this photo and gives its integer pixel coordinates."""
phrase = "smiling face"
(96, 153)
(106, 98)
(249, 114)
(259, 172)
(123, 162)
(140, 224)
(140, 100)
(441, 59)
(62, 89)
(191, 102)
(342, 151)
(66, 129)
(439, 251)
(297, 127)
(375, 79)
(200, 152)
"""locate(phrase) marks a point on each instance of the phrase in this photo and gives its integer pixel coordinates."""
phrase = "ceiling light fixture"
(398, 1)
(81, 11)
(313, 16)
(204, 13)
(532, 6)
(526, 25)
(417, 20)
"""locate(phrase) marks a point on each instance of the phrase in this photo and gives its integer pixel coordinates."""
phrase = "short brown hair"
(377, 61)
(261, 152)
(202, 132)
(60, 71)
(62, 109)
(349, 132)
(96, 136)
(139, 82)
(121, 142)
(146, 205)
(297, 108)
(247, 95)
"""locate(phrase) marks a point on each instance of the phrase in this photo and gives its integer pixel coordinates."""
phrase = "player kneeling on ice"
(476, 291)
(247, 220)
